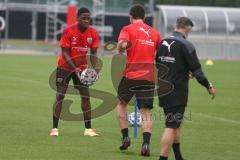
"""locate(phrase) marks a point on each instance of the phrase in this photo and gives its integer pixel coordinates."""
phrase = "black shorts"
(142, 89)
(174, 116)
(63, 77)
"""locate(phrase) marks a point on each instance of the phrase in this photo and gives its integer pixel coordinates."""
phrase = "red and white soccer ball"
(89, 76)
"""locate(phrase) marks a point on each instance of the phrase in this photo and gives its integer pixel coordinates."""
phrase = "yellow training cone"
(209, 62)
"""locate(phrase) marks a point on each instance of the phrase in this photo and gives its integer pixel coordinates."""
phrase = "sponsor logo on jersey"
(89, 40)
(167, 59)
(165, 43)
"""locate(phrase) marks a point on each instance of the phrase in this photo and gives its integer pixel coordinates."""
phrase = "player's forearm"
(122, 46)
(67, 58)
(201, 78)
(94, 59)
(157, 60)
(121, 50)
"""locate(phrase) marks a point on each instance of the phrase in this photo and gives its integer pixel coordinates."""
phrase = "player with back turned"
(141, 42)
(179, 55)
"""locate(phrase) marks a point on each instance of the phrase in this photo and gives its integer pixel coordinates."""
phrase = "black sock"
(163, 158)
(87, 124)
(55, 122)
(146, 137)
(124, 132)
(176, 150)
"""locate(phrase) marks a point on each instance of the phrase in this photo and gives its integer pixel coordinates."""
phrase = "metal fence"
(49, 16)
(216, 32)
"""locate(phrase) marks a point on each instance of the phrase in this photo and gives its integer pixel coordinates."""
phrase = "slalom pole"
(135, 125)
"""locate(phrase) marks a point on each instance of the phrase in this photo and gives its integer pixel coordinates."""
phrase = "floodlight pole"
(73, 2)
(151, 6)
(7, 25)
(99, 17)
(34, 24)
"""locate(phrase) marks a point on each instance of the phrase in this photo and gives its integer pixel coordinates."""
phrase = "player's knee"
(173, 125)
(146, 127)
(122, 103)
(60, 97)
(147, 124)
(85, 100)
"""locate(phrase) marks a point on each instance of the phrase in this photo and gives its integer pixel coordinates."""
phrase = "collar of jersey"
(178, 34)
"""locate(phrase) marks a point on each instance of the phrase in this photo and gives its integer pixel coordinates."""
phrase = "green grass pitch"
(211, 129)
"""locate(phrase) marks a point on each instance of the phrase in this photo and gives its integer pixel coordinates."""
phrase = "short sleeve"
(65, 41)
(124, 35)
(95, 43)
(158, 40)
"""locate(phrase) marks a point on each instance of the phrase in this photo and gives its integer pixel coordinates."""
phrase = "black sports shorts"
(142, 89)
(63, 77)
(174, 116)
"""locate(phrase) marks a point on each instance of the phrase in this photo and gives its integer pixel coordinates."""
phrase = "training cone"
(209, 62)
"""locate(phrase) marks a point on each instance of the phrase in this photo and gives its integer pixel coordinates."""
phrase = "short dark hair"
(137, 11)
(184, 22)
(82, 10)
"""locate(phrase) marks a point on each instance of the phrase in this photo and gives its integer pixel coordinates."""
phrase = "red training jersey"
(78, 43)
(141, 55)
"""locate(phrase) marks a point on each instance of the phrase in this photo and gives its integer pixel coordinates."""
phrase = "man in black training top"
(179, 55)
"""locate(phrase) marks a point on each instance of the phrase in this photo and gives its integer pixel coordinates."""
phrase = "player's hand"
(123, 46)
(121, 50)
(212, 91)
(190, 75)
(98, 72)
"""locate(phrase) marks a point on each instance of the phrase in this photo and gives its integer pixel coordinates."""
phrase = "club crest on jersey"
(74, 40)
(89, 40)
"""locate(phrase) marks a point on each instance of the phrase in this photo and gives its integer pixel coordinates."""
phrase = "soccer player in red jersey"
(75, 42)
(140, 41)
